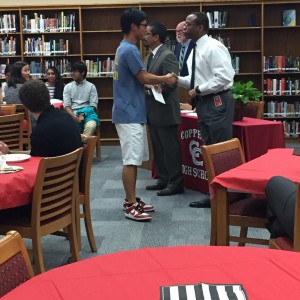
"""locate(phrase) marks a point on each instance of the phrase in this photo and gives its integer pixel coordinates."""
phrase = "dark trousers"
(215, 117)
(167, 155)
(281, 200)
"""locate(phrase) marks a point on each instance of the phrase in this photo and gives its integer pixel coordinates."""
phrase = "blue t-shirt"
(129, 95)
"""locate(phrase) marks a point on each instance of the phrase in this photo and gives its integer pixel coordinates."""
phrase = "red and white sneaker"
(143, 205)
(135, 212)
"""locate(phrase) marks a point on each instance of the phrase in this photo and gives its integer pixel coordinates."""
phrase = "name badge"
(217, 100)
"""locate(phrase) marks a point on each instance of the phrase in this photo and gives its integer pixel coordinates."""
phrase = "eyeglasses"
(143, 24)
(179, 31)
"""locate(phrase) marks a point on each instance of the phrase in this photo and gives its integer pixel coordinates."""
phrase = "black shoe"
(170, 191)
(156, 187)
(205, 203)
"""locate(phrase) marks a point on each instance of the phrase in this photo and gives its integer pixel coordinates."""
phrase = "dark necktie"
(149, 60)
(192, 83)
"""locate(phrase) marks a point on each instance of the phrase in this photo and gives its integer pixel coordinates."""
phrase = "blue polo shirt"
(129, 96)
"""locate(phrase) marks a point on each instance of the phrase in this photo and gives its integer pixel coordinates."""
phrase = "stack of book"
(281, 63)
(217, 19)
(281, 87)
(99, 67)
(8, 46)
(8, 23)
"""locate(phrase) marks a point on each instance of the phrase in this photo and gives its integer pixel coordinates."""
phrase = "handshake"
(170, 79)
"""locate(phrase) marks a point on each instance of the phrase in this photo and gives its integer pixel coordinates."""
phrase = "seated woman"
(54, 83)
(20, 72)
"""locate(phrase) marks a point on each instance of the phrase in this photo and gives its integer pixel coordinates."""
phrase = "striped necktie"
(181, 57)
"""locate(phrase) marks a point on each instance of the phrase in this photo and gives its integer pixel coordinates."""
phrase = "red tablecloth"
(265, 274)
(193, 169)
(16, 188)
(254, 175)
(58, 105)
(257, 136)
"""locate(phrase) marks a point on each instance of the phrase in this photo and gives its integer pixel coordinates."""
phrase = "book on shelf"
(289, 17)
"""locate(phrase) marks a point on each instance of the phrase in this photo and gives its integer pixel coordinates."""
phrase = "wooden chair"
(7, 109)
(53, 205)
(243, 211)
(11, 131)
(20, 108)
(84, 186)
(285, 243)
(254, 109)
(15, 266)
(98, 145)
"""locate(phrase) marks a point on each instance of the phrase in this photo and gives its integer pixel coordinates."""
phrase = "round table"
(138, 274)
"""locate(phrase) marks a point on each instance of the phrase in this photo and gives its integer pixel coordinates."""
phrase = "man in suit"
(163, 119)
(183, 49)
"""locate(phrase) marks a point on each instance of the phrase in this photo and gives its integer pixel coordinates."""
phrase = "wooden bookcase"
(254, 29)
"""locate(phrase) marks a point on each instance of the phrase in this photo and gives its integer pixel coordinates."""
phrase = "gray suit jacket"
(167, 114)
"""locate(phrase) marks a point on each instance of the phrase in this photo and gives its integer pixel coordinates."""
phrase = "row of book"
(38, 69)
(58, 23)
(39, 47)
(281, 63)
(217, 19)
(291, 129)
(280, 87)
(283, 109)
(96, 68)
(8, 46)
(8, 23)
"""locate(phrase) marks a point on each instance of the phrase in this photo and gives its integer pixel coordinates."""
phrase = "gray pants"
(215, 117)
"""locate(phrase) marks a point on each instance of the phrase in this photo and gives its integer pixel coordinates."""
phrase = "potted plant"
(243, 92)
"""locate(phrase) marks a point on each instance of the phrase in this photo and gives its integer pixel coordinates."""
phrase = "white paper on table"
(158, 96)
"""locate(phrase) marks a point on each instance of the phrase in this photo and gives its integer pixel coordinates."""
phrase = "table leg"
(222, 216)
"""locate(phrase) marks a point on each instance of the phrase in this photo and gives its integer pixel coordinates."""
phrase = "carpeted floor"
(173, 223)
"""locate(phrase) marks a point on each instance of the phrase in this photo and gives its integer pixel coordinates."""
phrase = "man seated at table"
(56, 133)
(81, 100)
(281, 198)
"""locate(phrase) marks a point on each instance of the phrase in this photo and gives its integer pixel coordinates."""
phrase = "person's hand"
(158, 88)
(185, 106)
(170, 79)
(3, 148)
(192, 93)
(81, 117)
(76, 119)
(175, 76)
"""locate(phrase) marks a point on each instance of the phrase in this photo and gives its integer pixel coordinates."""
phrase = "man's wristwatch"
(197, 90)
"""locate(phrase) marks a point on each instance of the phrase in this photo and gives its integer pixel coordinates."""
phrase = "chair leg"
(89, 227)
(37, 255)
(213, 225)
(243, 234)
(73, 242)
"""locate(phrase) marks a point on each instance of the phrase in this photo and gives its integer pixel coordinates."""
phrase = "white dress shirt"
(213, 71)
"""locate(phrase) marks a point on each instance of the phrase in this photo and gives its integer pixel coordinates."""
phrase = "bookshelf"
(282, 66)
(91, 32)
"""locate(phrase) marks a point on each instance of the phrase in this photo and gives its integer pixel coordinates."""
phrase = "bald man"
(182, 49)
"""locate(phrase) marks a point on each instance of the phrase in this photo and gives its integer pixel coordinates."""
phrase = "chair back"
(297, 221)
(86, 163)
(55, 190)
(20, 108)
(7, 109)
(254, 109)
(221, 157)
(13, 260)
(11, 131)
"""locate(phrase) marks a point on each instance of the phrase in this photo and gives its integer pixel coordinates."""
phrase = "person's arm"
(3, 148)
(94, 97)
(68, 102)
(147, 78)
